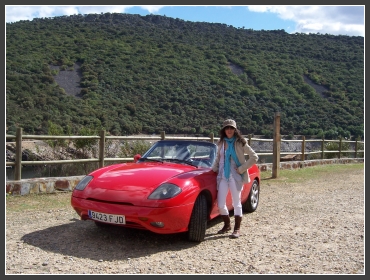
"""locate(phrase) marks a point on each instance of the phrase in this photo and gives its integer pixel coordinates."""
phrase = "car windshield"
(197, 153)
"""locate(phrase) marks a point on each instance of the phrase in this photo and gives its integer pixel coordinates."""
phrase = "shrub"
(131, 148)
(334, 146)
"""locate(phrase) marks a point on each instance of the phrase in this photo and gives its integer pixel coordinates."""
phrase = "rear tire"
(252, 202)
(198, 220)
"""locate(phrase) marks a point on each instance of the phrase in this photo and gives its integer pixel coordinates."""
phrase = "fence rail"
(19, 137)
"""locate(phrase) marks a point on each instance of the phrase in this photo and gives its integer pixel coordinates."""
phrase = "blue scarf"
(230, 152)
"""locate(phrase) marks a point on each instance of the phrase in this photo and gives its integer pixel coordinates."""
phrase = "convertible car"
(171, 188)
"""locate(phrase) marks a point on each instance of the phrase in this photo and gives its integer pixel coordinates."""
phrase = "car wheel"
(252, 202)
(198, 220)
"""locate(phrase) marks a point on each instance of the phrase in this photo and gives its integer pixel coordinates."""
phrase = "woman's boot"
(227, 226)
(236, 233)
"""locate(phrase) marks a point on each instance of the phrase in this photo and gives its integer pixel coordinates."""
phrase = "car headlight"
(83, 183)
(165, 191)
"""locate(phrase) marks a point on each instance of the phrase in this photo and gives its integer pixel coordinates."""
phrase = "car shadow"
(83, 239)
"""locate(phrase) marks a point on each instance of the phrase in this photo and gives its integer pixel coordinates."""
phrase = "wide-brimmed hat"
(229, 122)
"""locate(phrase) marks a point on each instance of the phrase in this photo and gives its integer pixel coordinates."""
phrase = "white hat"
(229, 122)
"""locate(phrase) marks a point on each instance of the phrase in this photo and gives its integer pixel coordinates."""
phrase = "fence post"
(303, 147)
(249, 139)
(356, 147)
(211, 136)
(18, 155)
(340, 146)
(163, 135)
(101, 148)
(276, 146)
(322, 148)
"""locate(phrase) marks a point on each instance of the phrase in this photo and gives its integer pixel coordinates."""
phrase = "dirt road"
(312, 224)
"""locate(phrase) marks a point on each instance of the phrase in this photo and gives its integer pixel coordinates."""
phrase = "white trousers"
(223, 188)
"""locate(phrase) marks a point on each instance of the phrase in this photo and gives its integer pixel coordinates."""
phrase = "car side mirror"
(137, 157)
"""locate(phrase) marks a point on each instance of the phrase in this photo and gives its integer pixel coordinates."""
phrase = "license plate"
(107, 218)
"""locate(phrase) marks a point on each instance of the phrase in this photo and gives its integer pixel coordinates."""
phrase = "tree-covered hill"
(146, 74)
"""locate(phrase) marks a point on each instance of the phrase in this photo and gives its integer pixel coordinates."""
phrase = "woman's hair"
(237, 134)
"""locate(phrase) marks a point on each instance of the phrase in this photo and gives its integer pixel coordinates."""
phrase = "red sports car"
(170, 189)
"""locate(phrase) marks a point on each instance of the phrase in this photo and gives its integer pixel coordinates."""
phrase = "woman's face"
(229, 131)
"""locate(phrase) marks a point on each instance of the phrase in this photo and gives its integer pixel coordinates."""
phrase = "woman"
(232, 169)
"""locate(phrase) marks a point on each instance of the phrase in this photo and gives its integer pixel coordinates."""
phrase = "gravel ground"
(313, 226)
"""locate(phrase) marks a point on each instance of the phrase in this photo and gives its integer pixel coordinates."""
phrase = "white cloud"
(152, 9)
(16, 13)
(103, 9)
(337, 20)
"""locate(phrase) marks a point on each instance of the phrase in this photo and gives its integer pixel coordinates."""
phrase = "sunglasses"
(229, 127)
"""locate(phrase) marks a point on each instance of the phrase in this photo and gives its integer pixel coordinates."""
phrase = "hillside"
(132, 74)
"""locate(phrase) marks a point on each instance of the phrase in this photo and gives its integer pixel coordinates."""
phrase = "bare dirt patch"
(69, 79)
(307, 225)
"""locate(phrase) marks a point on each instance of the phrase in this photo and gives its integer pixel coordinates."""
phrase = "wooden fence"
(276, 154)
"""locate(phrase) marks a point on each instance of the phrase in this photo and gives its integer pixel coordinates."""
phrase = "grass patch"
(297, 175)
(42, 202)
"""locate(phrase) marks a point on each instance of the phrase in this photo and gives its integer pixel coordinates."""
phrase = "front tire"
(252, 202)
(198, 220)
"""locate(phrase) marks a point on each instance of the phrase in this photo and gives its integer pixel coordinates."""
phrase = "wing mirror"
(137, 157)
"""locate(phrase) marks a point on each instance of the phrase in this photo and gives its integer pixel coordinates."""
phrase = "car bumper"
(174, 219)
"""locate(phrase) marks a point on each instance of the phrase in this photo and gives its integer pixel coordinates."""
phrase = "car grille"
(110, 202)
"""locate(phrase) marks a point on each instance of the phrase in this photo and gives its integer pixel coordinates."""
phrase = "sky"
(336, 20)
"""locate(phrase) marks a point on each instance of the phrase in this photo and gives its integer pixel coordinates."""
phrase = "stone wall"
(67, 184)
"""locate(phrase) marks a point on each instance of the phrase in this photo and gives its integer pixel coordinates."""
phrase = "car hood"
(140, 174)
(132, 182)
